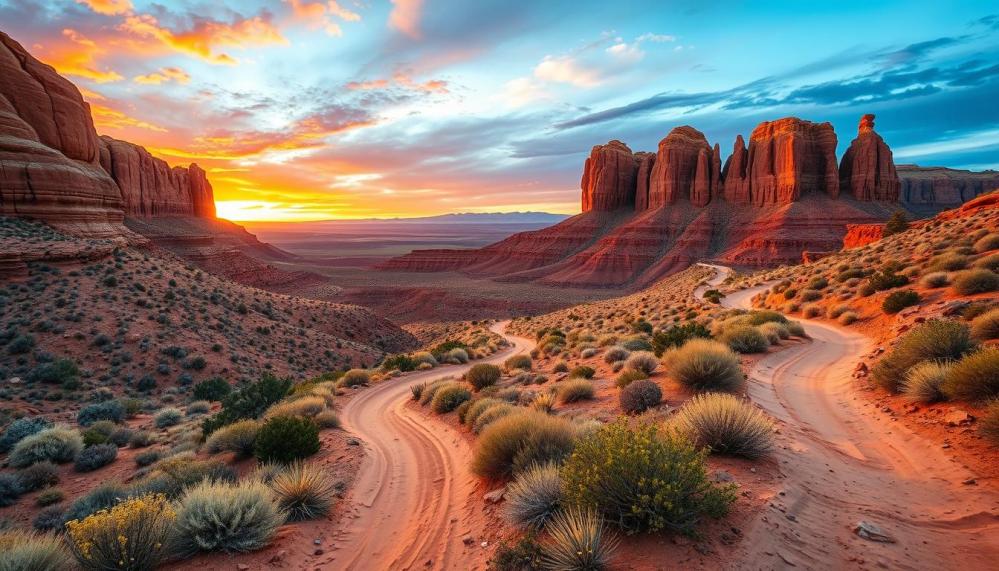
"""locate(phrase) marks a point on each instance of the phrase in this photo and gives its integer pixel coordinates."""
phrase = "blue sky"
(308, 110)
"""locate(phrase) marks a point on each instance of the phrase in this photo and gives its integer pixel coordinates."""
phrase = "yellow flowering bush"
(132, 535)
(643, 479)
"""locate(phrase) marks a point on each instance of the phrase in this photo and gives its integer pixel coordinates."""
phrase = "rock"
(278, 557)
(645, 164)
(468, 540)
(789, 158)
(682, 169)
(940, 187)
(970, 482)
(242, 567)
(353, 442)
(955, 307)
(736, 185)
(495, 496)
(872, 532)
(723, 476)
(867, 170)
(858, 235)
(609, 177)
(957, 417)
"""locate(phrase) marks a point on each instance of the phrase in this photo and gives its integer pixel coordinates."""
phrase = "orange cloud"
(108, 7)
(401, 79)
(164, 75)
(317, 14)
(77, 55)
(405, 17)
(207, 36)
(106, 118)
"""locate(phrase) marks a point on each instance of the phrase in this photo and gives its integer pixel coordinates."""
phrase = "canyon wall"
(55, 168)
(937, 187)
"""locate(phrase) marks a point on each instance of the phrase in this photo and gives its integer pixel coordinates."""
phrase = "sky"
(309, 110)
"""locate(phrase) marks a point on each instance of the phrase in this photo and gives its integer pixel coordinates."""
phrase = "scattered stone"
(958, 417)
(495, 496)
(468, 540)
(970, 482)
(278, 557)
(318, 551)
(723, 476)
(869, 531)
(317, 541)
(791, 517)
(353, 442)
(484, 544)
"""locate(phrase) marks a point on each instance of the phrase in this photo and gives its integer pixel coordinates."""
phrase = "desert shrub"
(990, 262)
(20, 429)
(57, 444)
(304, 491)
(49, 518)
(534, 497)
(772, 332)
(795, 328)
(935, 340)
(847, 317)
(924, 382)
(575, 390)
(286, 438)
(989, 426)
(173, 475)
(640, 396)
(457, 355)
(577, 539)
(478, 407)
(544, 402)
(10, 489)
(214, 389)
(615, 354)
(104, 496)
(812, 310)
(725, 424)
(588, 352)
(524, 555)
(482, 375)
(51, 496)
(561, 367)
(141, 439)
(301, 406)
(949, 262)
(629, 376)
(134, 535)
(491, 415)
(109, 410)
(234, 518)
(403, 363)
(934, 280)
(986, 325)
(970, 282)
(810, 295)
(899, 300)
(57, 372)
(637, 344)
(37, 476)
(641, 479)
(987, 243)
(518, 362)
(248, 402)
(643, 361)
(582, 372)
(328, 419)
(239, 437)
(448, 398)
(354, 378)
(147, 457)
(417, 389)
(704, 365)
(424, 358)
(517, 441)
(198, 407)
(896, 224)
(886, 279)
(745, 340)
(975, 376)
(165, 417)
(94, 457)
(27, 551)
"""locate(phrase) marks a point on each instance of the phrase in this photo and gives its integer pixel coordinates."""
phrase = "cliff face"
(609, 178)
(54, 167)
(682, 169)
(942, 187)
(858, 235)
(868, 171)
(789, 158)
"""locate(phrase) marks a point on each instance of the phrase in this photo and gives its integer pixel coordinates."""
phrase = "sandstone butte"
(647, 215)
(54, 167)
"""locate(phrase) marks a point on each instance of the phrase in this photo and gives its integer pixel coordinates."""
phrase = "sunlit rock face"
(867, 171)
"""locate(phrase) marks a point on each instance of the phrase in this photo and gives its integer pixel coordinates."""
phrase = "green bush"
(165, 417)
(518, 362)
(640, 396)
(924, 382)
(238, 437)
(896, 224)
(234, 518)
(575, 390)
(448, 398)
(899, 300)
(483, 375)
(534, 497)
(725, 424)
(577, 540)
(57, 372)
(516, 441)
(886, 279)
(986, 325)
(215, 389)
(57, 444)
(10, 489)
(677, 335)
(640, 479)
(403, 363)
(171, 476)
(745, 340)
(249, 402)
(304, 491)
(975, 377)
(478, 407)
(93, 457)
(582, 372)
(286, 438)
(37, 476)
(109, 410)
(971, 282)
(26, 551)
(935, 340)
(22, 428)
(704, 365)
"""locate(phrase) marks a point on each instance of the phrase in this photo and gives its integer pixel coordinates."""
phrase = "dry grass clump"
(518, 362)
(544, 402)
(949, 262)
(935, 340)
(577, 539)
(304, 491)
(575, 390)
(449, 397)
(234, 518)
(971, 282)
(934, 280)
(133, 535)
(975, 377)
(615, 354)
(27, 551)
(303, 406)
(704, 365)
(989, 425)
(491, 415)
(924, 382)
(483, 375)
(990, 262)
(987, 243)
(639, 396)
(477, 407)
(354, 378)
(847, 317)
(238, 437)
(516, 441)
(643, 361)
(745, 340)
(534, 497)
(986, 325)
(328, 419)
(725, 424)
(58, 444)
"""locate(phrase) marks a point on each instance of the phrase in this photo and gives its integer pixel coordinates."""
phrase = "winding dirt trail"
(413, 495)
(842, 463)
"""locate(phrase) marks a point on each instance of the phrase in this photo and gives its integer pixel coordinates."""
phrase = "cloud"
(566, 69)
(322, 15)
(626, 53)
(206, 36)
(165, 74)
(108, 7)
(75, 54)
(109, 119)
(405, 17)
(402, 80)
(657, 38)
(522, 91)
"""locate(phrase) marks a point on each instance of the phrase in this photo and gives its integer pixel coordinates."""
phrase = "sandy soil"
(845, 464)
(414, 501)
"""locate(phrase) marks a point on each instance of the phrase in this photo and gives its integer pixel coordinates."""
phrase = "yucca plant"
(725, 424)
(305, 491)
(924, 382)
(544, 402)
(534, 496)
(26, 551)
(577, 541)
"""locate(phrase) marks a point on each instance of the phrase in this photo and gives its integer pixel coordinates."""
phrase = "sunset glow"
(303, 110)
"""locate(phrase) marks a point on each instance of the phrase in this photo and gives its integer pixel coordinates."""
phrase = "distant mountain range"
(543, 218)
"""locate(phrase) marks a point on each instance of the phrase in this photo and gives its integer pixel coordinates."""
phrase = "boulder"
(867, 170)
(609, 178)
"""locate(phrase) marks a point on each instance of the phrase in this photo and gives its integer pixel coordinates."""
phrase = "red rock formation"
(48, 150)
(789, 158)
(736, 183)
(645, 164)
(150, 187)
(676, 173)
(867, 170)
(858, 235)
(934, 187)
(609, 178)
